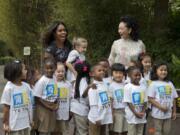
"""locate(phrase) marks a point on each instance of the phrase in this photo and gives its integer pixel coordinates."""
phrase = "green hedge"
(6, 59)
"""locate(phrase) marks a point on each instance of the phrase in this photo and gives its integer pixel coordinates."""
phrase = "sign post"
(27, 53)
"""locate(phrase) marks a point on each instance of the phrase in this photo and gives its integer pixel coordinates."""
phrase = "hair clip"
(17, 61)
(85, 68)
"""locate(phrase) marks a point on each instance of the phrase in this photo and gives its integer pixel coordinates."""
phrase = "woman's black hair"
(132, 24)
(13, 70)
(118, 67)
(48, 37)
(82, 69)
(154, 76)
(140, 59)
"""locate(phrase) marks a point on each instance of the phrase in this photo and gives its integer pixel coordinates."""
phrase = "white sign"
(27, 50)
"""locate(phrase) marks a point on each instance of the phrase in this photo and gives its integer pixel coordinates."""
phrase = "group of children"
(99, 99)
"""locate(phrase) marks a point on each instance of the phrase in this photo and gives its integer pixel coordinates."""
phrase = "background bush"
(23, 21)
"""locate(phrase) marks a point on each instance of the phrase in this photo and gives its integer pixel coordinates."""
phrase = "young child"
(33, 75)
(16, 100)
(77, 54)
(145, 66)
(119, 126)
(79, 104)
(105, 63)
(136, 99)
(128, 78)
(46, 92)
(64, 96)
(162, 94)
(100, 113)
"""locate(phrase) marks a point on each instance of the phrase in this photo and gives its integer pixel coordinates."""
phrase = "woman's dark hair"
(154, 75)
(82, 69)
(132, 24)
(13, 70)
(118, 67)
(48, 37)
(140, 59)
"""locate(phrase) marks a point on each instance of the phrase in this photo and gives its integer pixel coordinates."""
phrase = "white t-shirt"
(100, 105)
(163, 93)
(142, 81)
(107, 80)
(136, 95)
(46, 88)
(80, 105)
(147, 76)
(117, 92)
(18, 98)
(64, 96)
(72, 57)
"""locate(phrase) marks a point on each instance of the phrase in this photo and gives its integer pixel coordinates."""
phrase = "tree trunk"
(160, 17)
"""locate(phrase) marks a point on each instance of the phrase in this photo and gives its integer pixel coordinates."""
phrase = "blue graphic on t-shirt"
(161, 91)
(49, 90)
(17, 99)
(136, 98)
(103, 97)
(119, 94)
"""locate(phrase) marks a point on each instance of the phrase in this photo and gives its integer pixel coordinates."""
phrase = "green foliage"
(175, 69)
(6, 59)
(23, 21)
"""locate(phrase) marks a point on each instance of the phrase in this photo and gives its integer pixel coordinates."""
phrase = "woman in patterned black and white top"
(56, 43)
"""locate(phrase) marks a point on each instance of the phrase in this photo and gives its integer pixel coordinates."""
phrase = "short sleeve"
(127, 94)
(83, 86)
(145, 96)
(110, 91)
(112, 55)
(174, 92)
(70, 87)
(38, 88)
(151, 90)
(6, 95)
(93, 99)
(72, 56)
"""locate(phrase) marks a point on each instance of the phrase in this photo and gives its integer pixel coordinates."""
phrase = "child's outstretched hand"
(6, 128)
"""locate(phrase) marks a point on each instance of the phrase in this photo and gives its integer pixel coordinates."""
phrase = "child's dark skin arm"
(174, 110)
(6, 109)
(85, 94)
(156, 104)
(49, 105)
(138, 115)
